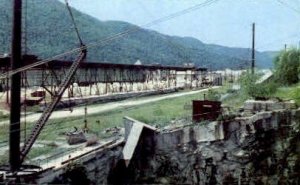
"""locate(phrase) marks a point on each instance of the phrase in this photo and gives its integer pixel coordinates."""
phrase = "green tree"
(287, 67)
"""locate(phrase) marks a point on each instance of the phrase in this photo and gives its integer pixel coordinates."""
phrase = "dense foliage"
(258, 91)
(49, 31)
(286, 73)
(287, 67)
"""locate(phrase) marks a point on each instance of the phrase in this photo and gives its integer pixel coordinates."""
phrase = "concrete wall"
(97, 164)
(212, 131)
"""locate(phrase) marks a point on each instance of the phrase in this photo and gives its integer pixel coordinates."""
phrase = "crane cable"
(110, 38)
(78, 36)
(74, 23)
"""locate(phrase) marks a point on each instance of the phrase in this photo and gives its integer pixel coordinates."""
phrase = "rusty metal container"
(38, 94)
(206, 110)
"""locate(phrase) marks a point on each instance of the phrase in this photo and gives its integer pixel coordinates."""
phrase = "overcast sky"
(225, 22)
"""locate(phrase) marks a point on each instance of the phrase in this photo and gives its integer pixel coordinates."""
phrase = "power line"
(111, 38)
(289, 6)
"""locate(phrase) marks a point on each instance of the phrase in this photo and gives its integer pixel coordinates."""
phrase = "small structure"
(206, 110)
(76, 137)
(133, 134)
(38, 93)
(138, 62)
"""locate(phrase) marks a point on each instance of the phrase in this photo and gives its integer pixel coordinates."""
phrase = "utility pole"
(15, 100)
(253, 49)
(285, 47)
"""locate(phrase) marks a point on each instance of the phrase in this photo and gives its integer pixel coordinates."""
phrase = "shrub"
(212, 95)
(263, 90)
(231, 91)
(287, 67)
(258, 91)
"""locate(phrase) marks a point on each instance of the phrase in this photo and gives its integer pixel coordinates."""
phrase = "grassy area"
(289, 93)
(3, 116)
(292, 92)
(235, 100)
(38, 151)
(4, 158)
(35, 152)
(157, 113)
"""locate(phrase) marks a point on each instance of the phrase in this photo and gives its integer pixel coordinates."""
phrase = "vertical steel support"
(285, 47)
(90, 81)
(15, 100)
(192, 78)
(7, 87)
(175, 79)
(186, 76)
(168, 77)
(105, 80)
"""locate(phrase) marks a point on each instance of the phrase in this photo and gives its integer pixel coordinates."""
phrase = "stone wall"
(96, 167)
(261, 149)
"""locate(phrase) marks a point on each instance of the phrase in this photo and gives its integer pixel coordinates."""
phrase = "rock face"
(261, 149)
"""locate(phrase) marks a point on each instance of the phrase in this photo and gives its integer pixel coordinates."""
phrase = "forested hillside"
(49, 31)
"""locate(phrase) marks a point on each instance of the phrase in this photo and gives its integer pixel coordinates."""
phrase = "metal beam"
(15, 99)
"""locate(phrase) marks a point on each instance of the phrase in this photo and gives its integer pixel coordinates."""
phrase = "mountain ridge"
(50, 32)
